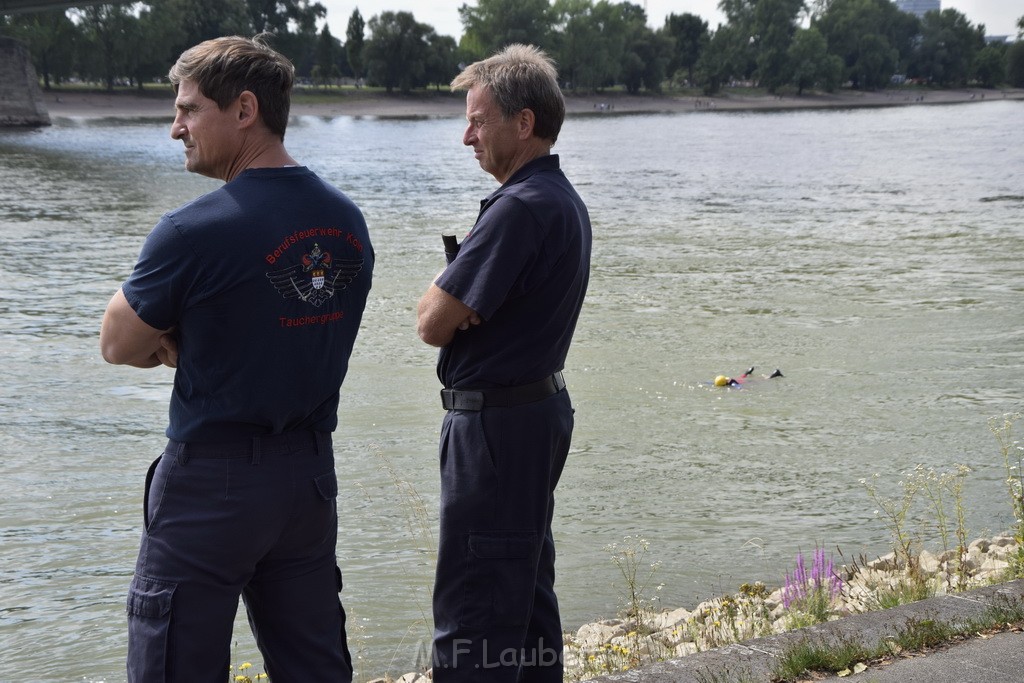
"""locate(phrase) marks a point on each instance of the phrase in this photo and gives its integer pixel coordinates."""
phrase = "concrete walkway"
(994, 659)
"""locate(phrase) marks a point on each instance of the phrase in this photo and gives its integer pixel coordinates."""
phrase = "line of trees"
(774, 44)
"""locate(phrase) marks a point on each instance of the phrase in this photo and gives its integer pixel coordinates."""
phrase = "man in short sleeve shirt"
(254, 293)
(503, 312)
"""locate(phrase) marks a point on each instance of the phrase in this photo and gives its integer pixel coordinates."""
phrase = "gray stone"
(667, 620)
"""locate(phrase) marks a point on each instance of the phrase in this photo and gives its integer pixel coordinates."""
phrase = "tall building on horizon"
(919, 7)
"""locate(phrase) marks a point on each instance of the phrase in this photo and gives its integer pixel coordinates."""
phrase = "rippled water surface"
(873, 256)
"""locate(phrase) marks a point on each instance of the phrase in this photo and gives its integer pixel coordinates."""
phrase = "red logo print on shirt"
(316, 278)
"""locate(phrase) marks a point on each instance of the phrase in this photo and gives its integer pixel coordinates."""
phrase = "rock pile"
(617, 644)
(648, 636)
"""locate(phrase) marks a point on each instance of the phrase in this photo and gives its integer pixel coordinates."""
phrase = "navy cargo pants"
(256, 519)
(496, 617)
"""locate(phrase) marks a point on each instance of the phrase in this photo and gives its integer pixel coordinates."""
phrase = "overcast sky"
(998, 16)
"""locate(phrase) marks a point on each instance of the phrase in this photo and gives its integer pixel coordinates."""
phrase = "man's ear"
(248, 109)
(526, 121)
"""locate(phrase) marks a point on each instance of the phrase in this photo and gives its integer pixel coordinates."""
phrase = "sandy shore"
(65, 104)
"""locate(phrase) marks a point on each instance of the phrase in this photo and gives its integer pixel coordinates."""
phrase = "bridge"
(21, 101)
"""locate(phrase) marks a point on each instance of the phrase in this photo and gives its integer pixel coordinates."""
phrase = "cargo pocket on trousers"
(500, 578)
(327, 486)
(322, 526)
(149, 621)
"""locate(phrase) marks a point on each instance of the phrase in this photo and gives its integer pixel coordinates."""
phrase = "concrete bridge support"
(21, 100)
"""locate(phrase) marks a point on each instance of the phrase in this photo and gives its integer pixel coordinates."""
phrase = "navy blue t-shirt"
(524, 269)
(265, 280)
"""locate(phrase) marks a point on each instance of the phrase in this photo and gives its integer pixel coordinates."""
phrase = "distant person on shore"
(503, 312)
(254, 292)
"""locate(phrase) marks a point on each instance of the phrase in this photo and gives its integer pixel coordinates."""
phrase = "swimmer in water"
(723, 381)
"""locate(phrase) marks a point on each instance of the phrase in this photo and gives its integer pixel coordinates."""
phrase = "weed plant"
(940, 494)
(810, 655)
(732, 618)
(629, 559)
(903, 593)
(727, 676)
(1006, 612)
(809, 596)
(1013, 455)
(917, 635)
(894, 512)
(245, 674)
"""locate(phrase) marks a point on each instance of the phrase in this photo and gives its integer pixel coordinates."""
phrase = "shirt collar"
(548, 162)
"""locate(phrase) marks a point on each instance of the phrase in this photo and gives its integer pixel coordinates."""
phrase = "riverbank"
(816, 592)
(812, 598)
(308, 102)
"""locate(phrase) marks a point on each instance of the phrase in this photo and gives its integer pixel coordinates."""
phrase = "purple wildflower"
(822, 580)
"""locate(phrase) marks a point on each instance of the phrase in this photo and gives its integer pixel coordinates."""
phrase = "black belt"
(502, 397)
(254, 446)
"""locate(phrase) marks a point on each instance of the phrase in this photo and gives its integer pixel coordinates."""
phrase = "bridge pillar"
(21, 100)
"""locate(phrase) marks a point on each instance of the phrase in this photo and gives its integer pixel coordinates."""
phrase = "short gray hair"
(520, 77)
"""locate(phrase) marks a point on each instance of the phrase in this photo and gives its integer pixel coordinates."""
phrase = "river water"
(874, 256)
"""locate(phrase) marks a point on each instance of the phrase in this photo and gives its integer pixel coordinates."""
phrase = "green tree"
(205, 19)
(739, 14)
(396, 53)
(653, 50)
(1015, 64)
(739, 40)
(634, 20)
(442, 59)
(577, 43)
(300, 47)
(873, 38)
(690, 35)
(591, 41)
(721, 60)
(106, 30)
(493, 24)
(613, 30)
(275, 16)
(632, 72)
(810, 62)
(949, 45)
(990, 65)
(355, 44)
(50, 37)
(646, 55)
(876, 62)
(326, 67)
(148, 44)
(775, 24)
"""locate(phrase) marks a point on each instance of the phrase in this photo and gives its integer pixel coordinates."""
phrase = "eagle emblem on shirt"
(316, 277)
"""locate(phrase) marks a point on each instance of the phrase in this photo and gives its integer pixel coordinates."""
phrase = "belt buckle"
(447, 399)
